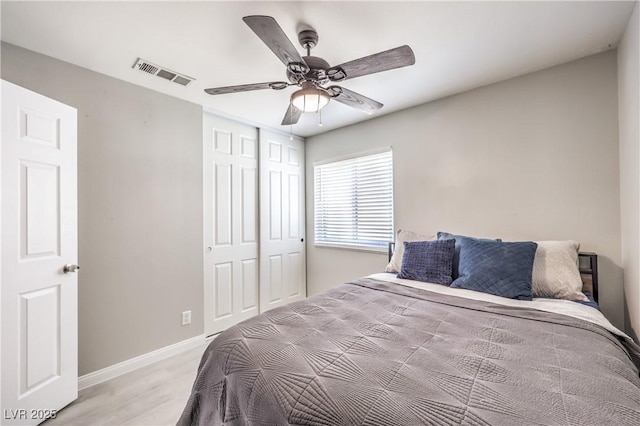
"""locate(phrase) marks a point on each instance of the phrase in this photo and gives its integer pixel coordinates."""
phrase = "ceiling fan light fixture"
(310, 99)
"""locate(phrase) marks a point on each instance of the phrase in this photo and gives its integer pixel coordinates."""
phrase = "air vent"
(153, 69)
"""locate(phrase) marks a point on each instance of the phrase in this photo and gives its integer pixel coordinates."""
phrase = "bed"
(384, 350)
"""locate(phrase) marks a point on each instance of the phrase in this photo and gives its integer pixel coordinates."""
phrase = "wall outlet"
(186, 318)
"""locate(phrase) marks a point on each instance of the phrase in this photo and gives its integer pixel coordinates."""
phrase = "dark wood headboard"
(588, 265)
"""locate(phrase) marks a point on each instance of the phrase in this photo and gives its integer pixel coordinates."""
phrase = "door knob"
(70, 268)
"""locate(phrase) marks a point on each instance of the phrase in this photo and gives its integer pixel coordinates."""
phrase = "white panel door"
(230, 223)
(282, 224)
(39, 237)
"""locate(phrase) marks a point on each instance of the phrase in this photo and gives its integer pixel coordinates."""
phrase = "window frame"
(383, 248)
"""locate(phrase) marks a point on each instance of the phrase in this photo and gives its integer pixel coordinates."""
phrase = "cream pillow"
(555, 271)
(401, 236)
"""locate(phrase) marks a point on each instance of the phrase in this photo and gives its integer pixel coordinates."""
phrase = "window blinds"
(354, 202)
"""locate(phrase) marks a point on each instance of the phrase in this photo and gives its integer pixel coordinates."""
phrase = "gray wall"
(629, 115)
(140, 208)
(531, 158)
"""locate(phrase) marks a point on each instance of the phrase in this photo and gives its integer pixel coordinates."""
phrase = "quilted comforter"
(378, 353)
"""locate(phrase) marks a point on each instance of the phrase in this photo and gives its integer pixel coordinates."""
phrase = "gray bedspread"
(377, 353)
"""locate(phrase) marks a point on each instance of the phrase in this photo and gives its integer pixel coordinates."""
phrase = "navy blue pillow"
(456, 256)
(428, 261)
(494, 267)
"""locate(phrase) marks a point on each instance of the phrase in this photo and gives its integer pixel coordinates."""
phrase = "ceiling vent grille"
(153, 69)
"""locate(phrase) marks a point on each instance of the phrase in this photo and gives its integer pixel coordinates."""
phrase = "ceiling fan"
(312, 74)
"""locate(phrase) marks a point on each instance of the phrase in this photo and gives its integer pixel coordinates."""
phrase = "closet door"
(282, 224)
(230, 223)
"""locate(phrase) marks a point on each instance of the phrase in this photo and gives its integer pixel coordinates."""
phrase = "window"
(354, 202)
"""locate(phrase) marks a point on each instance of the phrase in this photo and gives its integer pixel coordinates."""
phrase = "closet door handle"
(69, 268)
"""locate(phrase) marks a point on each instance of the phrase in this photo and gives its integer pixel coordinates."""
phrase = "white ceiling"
(458, 45)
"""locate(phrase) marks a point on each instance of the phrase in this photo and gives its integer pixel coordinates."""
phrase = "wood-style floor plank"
(153, 395)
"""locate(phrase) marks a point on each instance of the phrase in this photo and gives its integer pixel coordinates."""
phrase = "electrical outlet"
(186, 318)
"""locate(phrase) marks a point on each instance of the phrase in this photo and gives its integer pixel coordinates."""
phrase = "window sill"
(352, 248)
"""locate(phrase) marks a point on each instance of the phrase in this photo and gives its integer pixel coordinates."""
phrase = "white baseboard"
(123, 367)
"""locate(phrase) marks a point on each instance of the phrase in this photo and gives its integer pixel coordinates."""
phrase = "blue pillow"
(502, 269)
(428, 261)
(456, 256)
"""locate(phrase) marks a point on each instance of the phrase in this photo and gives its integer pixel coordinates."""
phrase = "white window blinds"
(354, 202)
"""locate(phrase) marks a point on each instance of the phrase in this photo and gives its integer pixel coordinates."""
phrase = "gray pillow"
(502, 269)
(428, 261)
(555, 271)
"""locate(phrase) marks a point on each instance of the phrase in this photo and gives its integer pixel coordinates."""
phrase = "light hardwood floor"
(152, 395)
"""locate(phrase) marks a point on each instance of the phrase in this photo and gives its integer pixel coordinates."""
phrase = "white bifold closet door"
(231, 211)
(254, 249)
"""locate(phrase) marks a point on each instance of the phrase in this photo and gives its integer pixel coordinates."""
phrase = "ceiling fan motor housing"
(317, 71)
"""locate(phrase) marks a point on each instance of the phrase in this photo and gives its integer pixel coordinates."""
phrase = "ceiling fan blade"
(275, 85)
(272, 35)
(353, 99)
(291, 116)
(389, 59)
